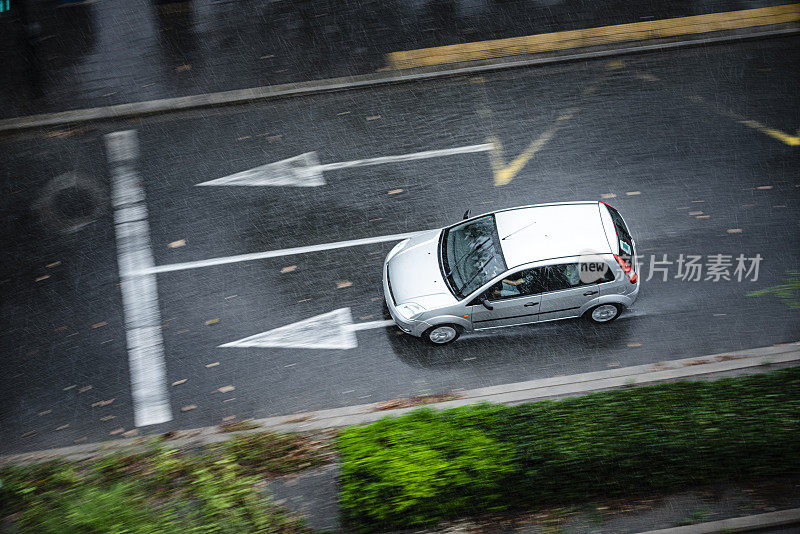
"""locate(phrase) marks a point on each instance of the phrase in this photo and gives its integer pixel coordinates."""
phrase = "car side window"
(568, 275)
(519, 284)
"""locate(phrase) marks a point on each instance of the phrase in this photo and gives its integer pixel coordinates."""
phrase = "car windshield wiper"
(467, 254)
(477, 272)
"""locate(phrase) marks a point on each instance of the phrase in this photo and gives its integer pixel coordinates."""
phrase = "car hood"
(414, 273)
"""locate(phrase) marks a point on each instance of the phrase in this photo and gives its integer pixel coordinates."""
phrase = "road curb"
(243, 96)
(717, 365)
(737, 524)
(599, 35)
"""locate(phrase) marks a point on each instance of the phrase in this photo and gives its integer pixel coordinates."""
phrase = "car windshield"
(471, 255)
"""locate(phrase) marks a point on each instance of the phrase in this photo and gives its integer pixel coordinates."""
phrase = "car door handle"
(590, 293)
(528, 305)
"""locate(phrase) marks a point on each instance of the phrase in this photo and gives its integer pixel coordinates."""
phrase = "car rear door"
(565, 290)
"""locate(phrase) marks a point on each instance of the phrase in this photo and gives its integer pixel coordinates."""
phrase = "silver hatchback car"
(517, 266)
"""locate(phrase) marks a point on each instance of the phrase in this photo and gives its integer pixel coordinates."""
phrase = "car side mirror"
(486, 304)
(467, 213)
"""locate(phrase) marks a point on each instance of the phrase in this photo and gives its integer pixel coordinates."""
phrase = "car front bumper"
(415, 328)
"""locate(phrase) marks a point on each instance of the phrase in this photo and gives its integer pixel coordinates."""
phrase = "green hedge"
(158, 490)
(427, 466)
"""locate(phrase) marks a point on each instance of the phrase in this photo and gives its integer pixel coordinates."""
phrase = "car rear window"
(625, 241)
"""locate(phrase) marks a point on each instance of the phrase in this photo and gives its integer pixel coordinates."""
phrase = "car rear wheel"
(604, 313)
(442, 334)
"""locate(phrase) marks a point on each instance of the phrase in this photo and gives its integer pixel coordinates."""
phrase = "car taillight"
(633, 277)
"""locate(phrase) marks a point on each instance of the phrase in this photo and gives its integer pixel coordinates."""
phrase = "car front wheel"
(442, 334)
(604, 313)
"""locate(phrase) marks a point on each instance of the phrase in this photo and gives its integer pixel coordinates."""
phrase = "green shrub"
(160, 490)
(417, 470)
(271, 453)
(400, 472)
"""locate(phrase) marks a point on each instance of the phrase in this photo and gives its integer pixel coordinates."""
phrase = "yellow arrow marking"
(791, 140)
(504, 173)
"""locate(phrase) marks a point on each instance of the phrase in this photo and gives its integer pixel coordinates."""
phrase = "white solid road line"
(139, 294)
(306, 171)
(144, 271)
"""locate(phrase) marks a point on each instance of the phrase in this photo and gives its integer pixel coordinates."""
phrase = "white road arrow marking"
(306, 171)
(332, 330)
(266, 254)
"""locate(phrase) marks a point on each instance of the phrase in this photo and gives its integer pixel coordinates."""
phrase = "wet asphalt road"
(660, 132)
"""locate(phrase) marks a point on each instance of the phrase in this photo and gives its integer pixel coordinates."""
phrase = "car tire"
(603, 313)
(442, 334)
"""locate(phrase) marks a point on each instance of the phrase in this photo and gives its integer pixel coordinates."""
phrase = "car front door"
(514, 300)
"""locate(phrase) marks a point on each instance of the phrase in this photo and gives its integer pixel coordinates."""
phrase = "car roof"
(545, 231)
